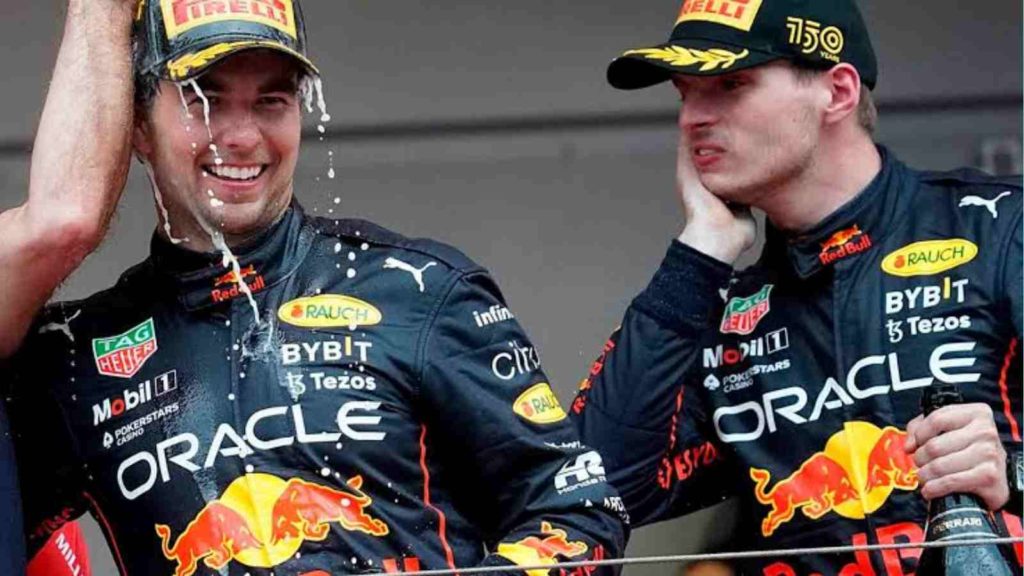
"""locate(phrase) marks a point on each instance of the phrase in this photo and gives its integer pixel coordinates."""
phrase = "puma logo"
(988, 204)
(64, 327)
(417, 273)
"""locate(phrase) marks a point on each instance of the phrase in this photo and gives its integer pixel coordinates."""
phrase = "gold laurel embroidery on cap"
(710, 59)
(180, 68)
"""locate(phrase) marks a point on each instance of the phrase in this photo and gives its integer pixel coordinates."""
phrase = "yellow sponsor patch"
(539, 405)
(329, 311)
(181, 16)
(929, 257)
(738, 14)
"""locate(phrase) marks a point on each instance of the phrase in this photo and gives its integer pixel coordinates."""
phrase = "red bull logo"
(844, 243)
(853, 476)
(306, 510)
(217, 535)
(233, 277)
(542, 551)
(231, 280)
(261, 521)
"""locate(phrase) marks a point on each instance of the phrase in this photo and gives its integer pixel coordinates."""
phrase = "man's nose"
(239, 131)
(697, 112)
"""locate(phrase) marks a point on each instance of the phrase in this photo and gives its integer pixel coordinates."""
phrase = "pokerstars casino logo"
(929, 257)
(742, 315)
(123, 355)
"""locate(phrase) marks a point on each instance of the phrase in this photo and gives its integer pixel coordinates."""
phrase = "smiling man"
(795, 385)
(274, 393)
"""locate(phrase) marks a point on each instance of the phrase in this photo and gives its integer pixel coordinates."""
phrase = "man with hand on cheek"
(795, 385)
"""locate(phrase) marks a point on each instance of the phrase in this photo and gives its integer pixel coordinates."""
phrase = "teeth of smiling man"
(234, 172)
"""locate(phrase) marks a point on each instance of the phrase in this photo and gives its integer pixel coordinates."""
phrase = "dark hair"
(147, 86)
(867, 112)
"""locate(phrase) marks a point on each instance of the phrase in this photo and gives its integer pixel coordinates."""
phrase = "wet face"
(243, 183)
(752, 132)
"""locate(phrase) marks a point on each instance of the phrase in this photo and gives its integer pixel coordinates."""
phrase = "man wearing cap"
(75, 181)
(271, 393)
(795, 385)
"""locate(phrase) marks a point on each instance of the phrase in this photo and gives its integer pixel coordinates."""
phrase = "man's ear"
(844, 84)
(141, 132)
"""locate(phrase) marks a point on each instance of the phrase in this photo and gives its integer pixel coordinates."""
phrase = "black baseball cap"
(179, 39)
(719, 36)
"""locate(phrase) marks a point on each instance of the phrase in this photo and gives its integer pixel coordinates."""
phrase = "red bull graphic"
(216, 536)
(307, 510)
(231, 280)
(844, 243)
(262, 521)
(853, 476)
(535, 551)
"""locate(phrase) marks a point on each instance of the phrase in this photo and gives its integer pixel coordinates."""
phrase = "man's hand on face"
(713, 227)
(957, 449)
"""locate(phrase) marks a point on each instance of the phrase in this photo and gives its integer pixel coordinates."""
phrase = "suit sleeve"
(49, 469)
(497, 419)
(66, 553)
(638, 405)
(1012, 281)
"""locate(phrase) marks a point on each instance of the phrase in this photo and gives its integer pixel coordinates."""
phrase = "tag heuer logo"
(742, 314)
(123, 355)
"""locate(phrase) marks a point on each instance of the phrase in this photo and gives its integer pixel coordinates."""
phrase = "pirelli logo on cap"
(181, 16)
(738, 14)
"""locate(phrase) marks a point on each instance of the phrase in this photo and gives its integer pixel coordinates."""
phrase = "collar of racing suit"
(854, 227)
(201, 279)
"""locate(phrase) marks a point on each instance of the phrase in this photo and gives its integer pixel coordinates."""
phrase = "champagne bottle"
(960, 517)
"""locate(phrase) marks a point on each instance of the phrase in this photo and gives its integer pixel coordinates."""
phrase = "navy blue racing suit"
(789, 385)
(387, 414)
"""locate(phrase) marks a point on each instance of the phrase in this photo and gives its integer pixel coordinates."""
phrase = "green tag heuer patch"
(742, 314)
(123, 355)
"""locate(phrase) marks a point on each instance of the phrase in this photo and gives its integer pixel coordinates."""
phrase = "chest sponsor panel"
(171, 456)
(776, 402)
(930, 306)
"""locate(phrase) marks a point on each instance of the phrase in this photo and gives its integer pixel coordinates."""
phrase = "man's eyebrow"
(209, 84)
(290, 84)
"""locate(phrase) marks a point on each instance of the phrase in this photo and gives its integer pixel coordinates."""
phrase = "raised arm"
(79, 164)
